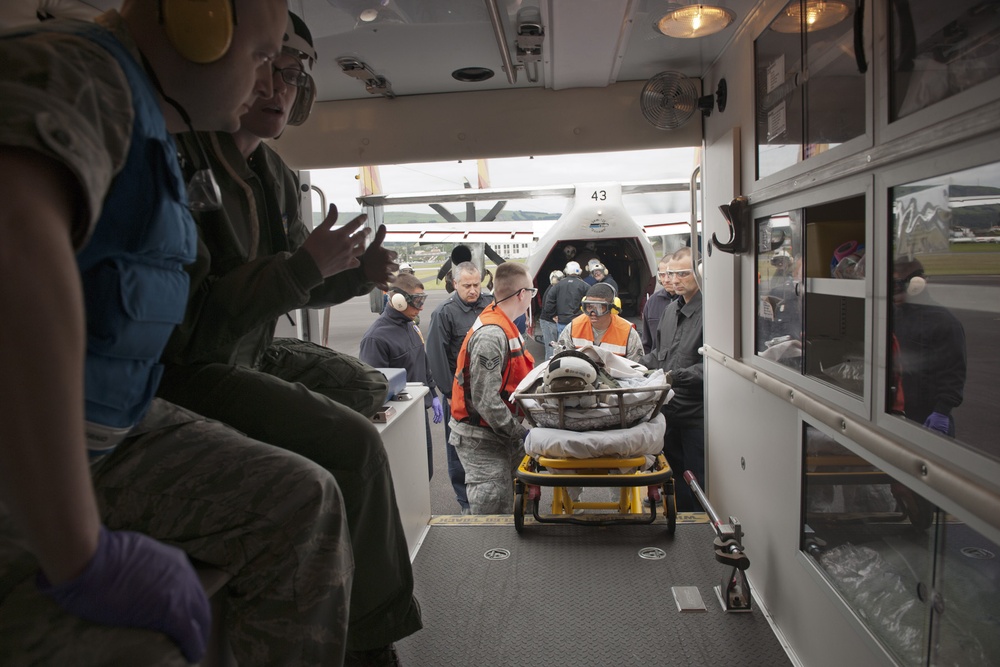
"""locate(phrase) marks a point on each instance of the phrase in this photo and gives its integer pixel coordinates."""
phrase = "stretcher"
(623, 454)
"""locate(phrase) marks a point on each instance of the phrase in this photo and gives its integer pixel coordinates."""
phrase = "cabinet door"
(811, 90)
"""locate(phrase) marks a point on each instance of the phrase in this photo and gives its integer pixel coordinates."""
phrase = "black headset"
(200, 30)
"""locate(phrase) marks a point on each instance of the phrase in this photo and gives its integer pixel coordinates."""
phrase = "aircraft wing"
(509, 231)
(665, 224)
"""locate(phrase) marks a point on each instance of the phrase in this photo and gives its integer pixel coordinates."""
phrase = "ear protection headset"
(401, 300)
(200, 30)
(915, 283)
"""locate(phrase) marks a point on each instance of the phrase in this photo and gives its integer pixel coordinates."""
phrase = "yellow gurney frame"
(604, 471)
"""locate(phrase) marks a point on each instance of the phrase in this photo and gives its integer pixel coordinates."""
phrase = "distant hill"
(408, 217)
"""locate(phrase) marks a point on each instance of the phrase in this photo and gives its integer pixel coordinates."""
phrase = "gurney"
(609, 437)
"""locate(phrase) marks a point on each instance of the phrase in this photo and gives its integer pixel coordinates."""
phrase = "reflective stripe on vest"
(615, 338)
(517, 365)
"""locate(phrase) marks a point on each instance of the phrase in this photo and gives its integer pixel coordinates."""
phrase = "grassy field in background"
(427, 273)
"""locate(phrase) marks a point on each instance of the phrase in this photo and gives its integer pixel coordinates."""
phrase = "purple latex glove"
(938, 422)
(135, 581)
(438, 410)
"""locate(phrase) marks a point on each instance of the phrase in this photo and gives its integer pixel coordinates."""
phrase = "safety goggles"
(598, 308)
(416, 300)
(532, 291)
(675, 274)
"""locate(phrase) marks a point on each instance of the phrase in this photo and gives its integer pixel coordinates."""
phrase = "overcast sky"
(342, 187)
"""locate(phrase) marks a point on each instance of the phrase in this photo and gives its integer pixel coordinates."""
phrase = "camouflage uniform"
(272, 520)
(222, 362)
(489, 455)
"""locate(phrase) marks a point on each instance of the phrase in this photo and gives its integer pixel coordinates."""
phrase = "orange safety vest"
(615, 338)
(517, 365)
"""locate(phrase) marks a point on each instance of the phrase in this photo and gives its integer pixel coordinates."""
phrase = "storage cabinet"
(811, 94)
(811, 309)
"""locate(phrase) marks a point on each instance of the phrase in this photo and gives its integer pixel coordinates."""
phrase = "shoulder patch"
(490, 363)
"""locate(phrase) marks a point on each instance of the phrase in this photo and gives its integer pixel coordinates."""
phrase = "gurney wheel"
(669, 507)
(519, 511)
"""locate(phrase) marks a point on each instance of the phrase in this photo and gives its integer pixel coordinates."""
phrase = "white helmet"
(570, 371)
(572, 269)
(404, 267)
(555, 276)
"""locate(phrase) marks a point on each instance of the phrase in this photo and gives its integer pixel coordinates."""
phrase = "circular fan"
(668, 100)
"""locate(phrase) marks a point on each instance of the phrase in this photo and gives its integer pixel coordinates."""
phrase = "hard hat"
(572, 269)
(404, 267)
(298, 40)
(592, 263)
(569, 371)
(555, 276)
(598, 267)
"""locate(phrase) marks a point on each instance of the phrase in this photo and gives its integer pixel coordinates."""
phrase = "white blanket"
(645, 439)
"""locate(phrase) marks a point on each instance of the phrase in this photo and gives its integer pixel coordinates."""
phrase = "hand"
(938, 422)
(438, 410)
(134, 581)
(336, 250)
(379, 263)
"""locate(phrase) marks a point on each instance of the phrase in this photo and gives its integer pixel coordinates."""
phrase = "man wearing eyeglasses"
(601, 326)
(256, 261)
(675, 350)
(486, 428)
(449, 324)
(656, 304)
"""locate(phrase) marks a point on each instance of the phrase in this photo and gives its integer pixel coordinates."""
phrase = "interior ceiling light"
(816, 14)
(692, 21)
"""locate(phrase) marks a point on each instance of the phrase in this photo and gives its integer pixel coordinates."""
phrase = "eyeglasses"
(532, 291)
(676, 274)
(598, 307)
(293, 76)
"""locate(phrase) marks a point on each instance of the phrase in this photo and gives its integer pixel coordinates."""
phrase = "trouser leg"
(684, 449)
(271, 519)
(430, 446)
(290, 416)
(336, 375)
(489, 473)
(456, 473)
(550, 332)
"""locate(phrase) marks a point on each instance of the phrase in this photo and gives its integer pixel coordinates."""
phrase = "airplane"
(595, 225)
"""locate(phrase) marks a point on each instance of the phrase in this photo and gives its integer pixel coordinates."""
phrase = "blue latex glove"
(135, 581)
(938, 422)
(438, 410)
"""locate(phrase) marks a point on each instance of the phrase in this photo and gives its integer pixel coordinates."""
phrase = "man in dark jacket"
(256, 261)
(656, 304)
(449, 324)
(932, 353)
(394, 341)
(678, 337)
(566, 295)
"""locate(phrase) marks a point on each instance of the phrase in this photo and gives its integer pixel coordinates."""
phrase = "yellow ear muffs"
(398, 301)
(200, 30)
